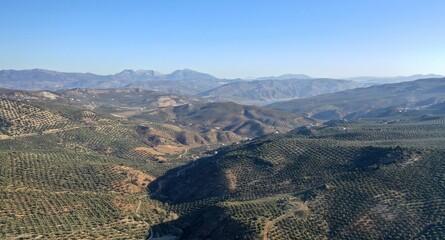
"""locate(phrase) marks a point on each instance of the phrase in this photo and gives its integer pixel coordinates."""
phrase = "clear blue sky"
(227, 38)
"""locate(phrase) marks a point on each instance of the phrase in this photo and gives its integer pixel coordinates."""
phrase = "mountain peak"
(185, 74)
(285, 77)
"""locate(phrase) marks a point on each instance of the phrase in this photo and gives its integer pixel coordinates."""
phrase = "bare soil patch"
(135, 181)
(149, 150)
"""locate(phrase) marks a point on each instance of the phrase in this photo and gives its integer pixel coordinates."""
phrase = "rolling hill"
(68, 172)
(247, 121)
(187, 120)
(364, 180)
(376, 101)
(78, 164)
(262, 92)
(87, 171)
(124, 99)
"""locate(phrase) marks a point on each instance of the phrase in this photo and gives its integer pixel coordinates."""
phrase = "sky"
(226, 38)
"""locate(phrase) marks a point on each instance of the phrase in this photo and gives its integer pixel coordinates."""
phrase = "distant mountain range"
(383, 80)
(40, 79)
(368, 80)
(285, 77)
(259, 91)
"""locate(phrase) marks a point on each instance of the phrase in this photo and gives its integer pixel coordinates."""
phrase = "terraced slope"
(317, 183)
(68, 172)
(17, 118)
(55, 195)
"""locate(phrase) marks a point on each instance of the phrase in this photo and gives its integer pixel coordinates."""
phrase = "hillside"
(119, 102)
(364, 180)
(182, 120)
(124, 99)
(25, 113)
(78, 173)
(247, 121)
(81, 170)
(77, 159)
(68, 172)
(266, 91)
(211, 171)
(204, 122)
(376, 101)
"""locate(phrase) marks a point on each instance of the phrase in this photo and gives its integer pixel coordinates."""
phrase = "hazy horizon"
(226, 39)
(239, 77)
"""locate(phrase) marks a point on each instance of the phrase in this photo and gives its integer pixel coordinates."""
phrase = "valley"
(222, 120)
